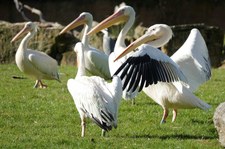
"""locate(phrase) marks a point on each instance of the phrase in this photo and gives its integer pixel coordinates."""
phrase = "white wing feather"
(43, 63)
(193, 59)
(159, 56)
(99, 62)
(93, 95)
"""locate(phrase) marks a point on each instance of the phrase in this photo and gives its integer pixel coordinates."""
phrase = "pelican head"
(84, 18)
(162, 32)
(157, 35)
(29, 26)
(120, 16)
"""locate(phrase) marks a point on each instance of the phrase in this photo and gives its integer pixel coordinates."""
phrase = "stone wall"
(61, 47)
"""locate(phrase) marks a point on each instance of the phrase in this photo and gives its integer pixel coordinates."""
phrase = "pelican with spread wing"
(192, 58)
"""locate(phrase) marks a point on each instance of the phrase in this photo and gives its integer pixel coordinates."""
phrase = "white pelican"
(174, 95)
(94, 97)
(165, 68)
(36, 64)
(96, 62)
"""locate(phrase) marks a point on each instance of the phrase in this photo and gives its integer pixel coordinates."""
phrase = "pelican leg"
(42, 85)
(165, 115)
(36, 84)
(174, 115)
(103, 133)
(83, 126)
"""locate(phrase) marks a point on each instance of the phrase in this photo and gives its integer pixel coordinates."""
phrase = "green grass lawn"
(47, 118)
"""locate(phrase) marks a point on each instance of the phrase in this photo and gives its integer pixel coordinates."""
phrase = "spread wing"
(193, 59)
(148, 66)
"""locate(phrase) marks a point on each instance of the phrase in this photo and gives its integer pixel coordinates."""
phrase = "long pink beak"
(143, 39)
(111, 20)
(77, 22)
(23, 31)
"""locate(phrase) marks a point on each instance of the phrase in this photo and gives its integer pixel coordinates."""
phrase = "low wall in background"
(61, 47)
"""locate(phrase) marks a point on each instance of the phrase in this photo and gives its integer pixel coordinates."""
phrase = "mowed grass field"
(47, 118)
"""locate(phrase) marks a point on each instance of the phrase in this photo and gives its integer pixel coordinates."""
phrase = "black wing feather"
(137, 82)
(143, 71)
(129, 74)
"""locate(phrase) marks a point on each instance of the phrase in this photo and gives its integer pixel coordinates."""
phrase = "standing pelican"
(96, 62)
(36, 64)
(175, 94)
(164, 68)
(93, 96)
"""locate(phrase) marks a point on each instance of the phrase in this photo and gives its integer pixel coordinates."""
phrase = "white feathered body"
(92, 95)
(193, 60)
(36, 64)
(174, 95)
(96, 62)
